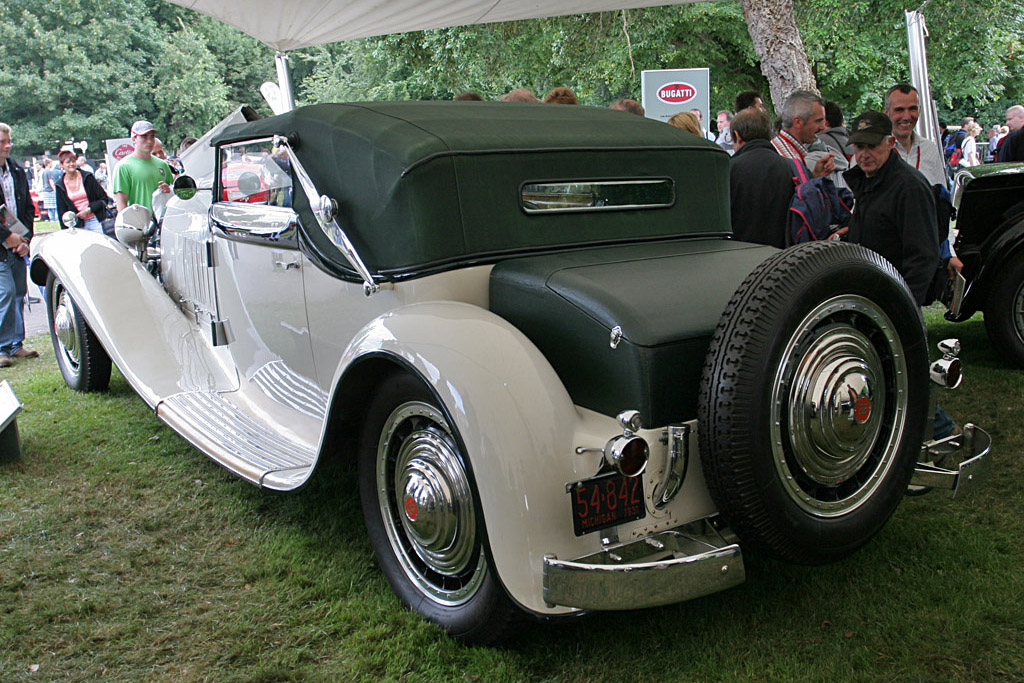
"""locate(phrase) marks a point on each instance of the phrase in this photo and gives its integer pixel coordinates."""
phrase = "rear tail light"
(947, 372)
(627, 454)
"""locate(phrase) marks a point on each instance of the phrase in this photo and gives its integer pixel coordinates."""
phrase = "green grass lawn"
(125, 554)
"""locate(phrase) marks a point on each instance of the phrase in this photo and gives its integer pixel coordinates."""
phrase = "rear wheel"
(422, 515)
(814, 402)
(83, 362)
(1004, 311)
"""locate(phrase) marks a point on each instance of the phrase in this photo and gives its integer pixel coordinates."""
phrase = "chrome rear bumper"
(969, 463)
(687, 562)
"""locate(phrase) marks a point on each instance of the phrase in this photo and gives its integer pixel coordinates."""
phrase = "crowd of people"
(68, 184)
(899, 182)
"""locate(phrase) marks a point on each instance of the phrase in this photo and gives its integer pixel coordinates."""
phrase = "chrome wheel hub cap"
(427, 504)
(838, 406)
(435, 502)
(1018, 312)
(834, 413)
(65, 330)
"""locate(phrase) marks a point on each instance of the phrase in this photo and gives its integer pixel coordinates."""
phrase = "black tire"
(798, 468)
(412, 464)
(83, 362)
(1004, 311)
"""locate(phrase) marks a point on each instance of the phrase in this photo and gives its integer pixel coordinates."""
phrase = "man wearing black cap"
(894, 214)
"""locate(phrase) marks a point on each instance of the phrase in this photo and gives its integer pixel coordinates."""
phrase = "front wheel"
(814, 401)
(422, 516)
(83, 362)
(1004, 311)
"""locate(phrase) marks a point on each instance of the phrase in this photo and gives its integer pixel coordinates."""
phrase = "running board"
(231, 437)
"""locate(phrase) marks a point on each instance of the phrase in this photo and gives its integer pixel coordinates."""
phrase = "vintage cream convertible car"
(566, 387)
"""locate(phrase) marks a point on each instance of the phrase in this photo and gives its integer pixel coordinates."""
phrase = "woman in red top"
(79, 192)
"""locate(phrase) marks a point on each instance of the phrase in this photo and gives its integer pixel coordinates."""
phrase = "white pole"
(284, 80)
(928, 123)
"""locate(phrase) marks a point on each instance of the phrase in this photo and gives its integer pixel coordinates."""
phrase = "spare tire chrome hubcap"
(838, 406)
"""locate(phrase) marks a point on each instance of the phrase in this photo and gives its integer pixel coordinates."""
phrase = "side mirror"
(134, 226)
(184, 187)
(69, 219)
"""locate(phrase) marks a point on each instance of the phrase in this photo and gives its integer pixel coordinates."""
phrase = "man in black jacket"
(14, 194)
(894, 214)
(761, 182)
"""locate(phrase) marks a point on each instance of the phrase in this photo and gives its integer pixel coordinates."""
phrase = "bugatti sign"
(677, 93)
(669, 91)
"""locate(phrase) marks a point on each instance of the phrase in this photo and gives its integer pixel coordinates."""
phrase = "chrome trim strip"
(971, 471)
(684, 563)
(326, 219)
(287, 387)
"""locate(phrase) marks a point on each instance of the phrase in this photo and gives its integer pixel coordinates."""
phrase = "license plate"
(605, 501)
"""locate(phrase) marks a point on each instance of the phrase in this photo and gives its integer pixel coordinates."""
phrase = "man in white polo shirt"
(903, 106)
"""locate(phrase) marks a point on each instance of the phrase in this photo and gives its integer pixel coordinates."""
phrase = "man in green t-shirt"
(140, 174)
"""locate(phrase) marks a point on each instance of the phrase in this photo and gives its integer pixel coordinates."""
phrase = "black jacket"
(1011, 147)
(894, 215)
(760, 189)
(93, 191)
(22, 201)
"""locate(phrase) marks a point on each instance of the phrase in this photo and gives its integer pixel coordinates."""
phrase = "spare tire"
(814, 401)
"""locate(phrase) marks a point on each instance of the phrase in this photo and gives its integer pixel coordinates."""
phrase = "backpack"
(953, 150)
(818, 208)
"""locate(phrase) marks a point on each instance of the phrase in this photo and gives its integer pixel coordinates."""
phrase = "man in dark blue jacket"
(14, 195)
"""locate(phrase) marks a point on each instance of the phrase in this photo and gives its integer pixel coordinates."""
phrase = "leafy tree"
(87, 68)
(598, 55)
(190, 97)
(69, 75)
(859, 49)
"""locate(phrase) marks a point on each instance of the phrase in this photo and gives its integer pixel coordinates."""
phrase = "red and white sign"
(119, 148)
(676, 93)
(666, 92)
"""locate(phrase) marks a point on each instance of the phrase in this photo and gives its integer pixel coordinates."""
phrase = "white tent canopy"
(291, 24)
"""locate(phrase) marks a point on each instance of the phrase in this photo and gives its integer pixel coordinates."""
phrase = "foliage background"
(85, 69)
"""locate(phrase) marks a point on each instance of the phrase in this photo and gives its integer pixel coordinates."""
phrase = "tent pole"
(284, 80)
(928, 123)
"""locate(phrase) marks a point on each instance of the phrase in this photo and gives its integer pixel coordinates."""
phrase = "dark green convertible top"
(423, 185)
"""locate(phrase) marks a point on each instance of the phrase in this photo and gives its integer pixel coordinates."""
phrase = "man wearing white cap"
(140, 174)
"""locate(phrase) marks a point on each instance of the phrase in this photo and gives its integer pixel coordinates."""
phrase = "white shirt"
(924, 156)
(7, 185)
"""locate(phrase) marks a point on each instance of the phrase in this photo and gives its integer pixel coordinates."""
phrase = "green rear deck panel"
(666, 297)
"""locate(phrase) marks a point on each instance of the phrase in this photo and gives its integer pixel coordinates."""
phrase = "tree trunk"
(780, 48)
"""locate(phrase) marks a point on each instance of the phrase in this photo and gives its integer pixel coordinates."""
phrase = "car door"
(259, 275)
